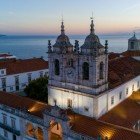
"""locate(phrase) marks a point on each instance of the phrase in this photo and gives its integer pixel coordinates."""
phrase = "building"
(89, 97)
(5, 56)
(133, 44)
(83, 79)
(15, 74)
(133, 48)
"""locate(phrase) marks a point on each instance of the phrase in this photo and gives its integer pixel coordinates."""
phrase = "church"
(78, 76)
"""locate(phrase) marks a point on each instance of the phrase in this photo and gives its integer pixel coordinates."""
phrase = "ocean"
(36, 46)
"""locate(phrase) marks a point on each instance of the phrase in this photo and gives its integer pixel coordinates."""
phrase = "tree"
(37, 89)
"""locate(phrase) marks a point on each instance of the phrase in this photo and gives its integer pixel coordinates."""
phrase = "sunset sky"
(43, 17)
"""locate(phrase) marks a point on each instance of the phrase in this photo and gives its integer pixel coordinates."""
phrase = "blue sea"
(36, 46)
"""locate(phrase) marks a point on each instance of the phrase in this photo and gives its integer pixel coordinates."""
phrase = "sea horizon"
(29, 46)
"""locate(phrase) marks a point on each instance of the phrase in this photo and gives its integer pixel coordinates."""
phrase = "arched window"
(101, 70)
(132, 45)
(56, 67)
(85, 68)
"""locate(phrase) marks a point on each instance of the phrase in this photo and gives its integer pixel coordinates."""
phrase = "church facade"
(78, 76)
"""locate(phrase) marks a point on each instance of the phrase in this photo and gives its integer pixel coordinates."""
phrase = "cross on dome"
(92, 25)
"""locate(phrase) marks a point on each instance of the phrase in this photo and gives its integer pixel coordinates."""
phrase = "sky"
(43, 17)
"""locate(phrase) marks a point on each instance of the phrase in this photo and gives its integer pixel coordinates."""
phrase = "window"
(4, 119)
(5, 133)
(2, 72)
(3, 80)
(112, 100)
(120, 95)
(55, 102)
(11, 88)
(86, 109)
(126, 91)
(16, 80)
(14, 137)
(69, 103)
(13, 123)
(29, 77)
(101, 70)
(138, 84)
(46, 73)
(57, 67)
(132, 45)
(132, 87)
(85, 68)
(41, 74)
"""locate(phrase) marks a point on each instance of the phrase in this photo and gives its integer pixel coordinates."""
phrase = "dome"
(62, 38)
(134, 37)
(92, 38)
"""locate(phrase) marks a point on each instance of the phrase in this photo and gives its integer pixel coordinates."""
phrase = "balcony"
(10, 129)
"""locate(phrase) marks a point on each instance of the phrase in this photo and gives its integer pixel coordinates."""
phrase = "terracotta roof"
(23, 103)
(95, 128)
(21, 66)
(126, 113)
(131, 53)
(121, 70)
(113, 55)
(80, 124)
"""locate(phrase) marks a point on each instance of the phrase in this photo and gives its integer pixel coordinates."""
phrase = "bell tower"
(93, 64)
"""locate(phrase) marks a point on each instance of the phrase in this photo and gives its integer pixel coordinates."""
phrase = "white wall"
(79, 101)
(9, 116)
(104, 101)
(23, 79)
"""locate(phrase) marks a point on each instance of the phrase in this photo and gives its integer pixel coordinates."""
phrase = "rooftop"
(80, 124)
(121, 70)
(131, 53)
(95, 128)
(21, 103)
(125, 114)
(21, 66)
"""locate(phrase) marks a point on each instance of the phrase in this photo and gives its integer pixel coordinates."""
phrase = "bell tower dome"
(93, 62)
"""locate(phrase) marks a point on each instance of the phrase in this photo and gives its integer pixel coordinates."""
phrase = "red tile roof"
(131, 53)
(125, 114)
(21, 66)
(121, 70)
(18, 102)
(113, 55)
(80, 124)
(95, 128)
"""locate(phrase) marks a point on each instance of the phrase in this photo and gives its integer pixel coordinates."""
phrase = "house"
(15, 74)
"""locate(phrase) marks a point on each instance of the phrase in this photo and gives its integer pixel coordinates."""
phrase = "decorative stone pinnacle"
(49, 46)
(106, 46)
(62, 28)
(92, 25)
(76, 46)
